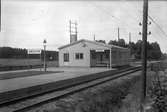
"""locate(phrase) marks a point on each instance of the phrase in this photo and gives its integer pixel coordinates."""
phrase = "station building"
(86, 53)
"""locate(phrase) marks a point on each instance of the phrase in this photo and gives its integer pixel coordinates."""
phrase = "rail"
(69, 87)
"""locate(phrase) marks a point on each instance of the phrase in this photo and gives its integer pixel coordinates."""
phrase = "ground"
(27, 73)
(107, 97)
(122, 95)
(23, 62)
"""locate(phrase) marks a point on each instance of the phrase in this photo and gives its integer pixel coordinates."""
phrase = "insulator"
(140, 23)
(150, 23)
(44, 41)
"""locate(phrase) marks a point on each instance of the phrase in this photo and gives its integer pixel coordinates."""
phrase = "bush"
(157, 92)
(108, 98)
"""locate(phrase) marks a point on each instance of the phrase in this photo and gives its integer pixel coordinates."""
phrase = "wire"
(157, 25)
(96, 6)
(114, 17)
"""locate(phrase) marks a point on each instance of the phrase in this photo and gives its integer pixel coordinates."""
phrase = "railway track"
(82, 83)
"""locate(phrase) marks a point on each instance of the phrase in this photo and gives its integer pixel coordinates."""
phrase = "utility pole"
(94, 37)
(0, 15)
(76, 31)
(144, 51)
(70, 30)
(130, 42)
(118, 33)
(129, 37)
(44, 44)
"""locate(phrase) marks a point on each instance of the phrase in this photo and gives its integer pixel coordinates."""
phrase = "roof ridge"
(107, 45)
(95, 42)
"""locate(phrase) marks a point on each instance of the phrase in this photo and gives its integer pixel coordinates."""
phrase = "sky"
(26, 23)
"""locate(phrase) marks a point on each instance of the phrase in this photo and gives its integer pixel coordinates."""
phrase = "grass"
(158, 87)
(103, 98)
(123, 96)
(19, 62)
(25, 74)
(24, 62)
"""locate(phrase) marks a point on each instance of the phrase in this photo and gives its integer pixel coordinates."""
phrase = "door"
(101, 58)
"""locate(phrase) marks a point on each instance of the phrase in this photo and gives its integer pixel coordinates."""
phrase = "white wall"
(78, 48)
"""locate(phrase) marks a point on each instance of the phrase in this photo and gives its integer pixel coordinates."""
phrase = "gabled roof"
(93, 42)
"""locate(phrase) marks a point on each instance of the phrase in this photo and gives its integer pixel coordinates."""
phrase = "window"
(120, 55)
(93, 54)
(79, 56)
(66, 57)
(107, 55)
(115, 54)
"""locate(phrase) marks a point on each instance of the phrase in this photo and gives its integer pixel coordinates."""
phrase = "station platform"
(16, 88)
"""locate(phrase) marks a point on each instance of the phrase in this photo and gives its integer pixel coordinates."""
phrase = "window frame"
(79, 56)
(66, 57)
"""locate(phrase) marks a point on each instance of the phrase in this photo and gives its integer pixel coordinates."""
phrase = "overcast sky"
(25, 23)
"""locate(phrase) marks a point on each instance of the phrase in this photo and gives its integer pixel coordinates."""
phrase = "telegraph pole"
(76, 31)
(129, 37)
(144, 50)
(70, 28)
(0, 15)
(94, 37)
(118, 33)
(44, 44)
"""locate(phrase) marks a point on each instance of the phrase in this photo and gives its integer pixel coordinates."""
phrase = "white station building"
(86, 53)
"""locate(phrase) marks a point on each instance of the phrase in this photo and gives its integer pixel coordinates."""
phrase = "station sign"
(100, 50)
(34, 51)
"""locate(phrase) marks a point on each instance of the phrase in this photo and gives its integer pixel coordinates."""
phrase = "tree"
(132, 47)
(153, 49)
(120, 43)
(102, 41)
(156, 51)
(113, 42)
(138, 49)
